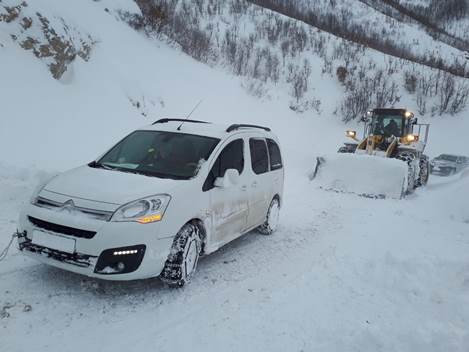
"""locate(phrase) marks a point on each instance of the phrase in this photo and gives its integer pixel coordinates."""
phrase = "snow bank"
(363, 174)
(450, 198)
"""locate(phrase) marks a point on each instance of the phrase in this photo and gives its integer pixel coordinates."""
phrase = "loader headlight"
(409, 114)
(351, 134)
(143, 211)
(411, 138)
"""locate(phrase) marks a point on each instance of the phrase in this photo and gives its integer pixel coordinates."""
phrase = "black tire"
(271, 220)
(424, 173)
(184, 256)
(409, 158)
(348, 148)
(343, 150)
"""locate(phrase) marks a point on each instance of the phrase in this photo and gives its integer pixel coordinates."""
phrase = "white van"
(156, 201)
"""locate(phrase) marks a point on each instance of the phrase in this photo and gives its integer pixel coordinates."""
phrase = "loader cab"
(385, 130)
(390, 122)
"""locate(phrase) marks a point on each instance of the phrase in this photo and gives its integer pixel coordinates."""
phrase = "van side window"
(231, 157)
(259, 158)
(274, 154)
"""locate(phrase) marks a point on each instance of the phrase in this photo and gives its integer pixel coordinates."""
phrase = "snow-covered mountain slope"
(342, 273)
(128, 81)
(364, 21)
(302, 48)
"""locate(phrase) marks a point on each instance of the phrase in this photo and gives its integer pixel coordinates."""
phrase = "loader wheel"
(183, 258)
(348, 148)
(409, 158)
(343, 150)
(424, 172)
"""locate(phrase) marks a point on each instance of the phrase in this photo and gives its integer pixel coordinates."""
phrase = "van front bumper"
(117, 251)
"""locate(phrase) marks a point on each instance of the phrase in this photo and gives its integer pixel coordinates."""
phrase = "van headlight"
(143, 211)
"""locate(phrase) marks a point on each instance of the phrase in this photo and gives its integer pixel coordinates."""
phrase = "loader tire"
(409, 158)
(348, 148)
(424, 172)
(343, 150)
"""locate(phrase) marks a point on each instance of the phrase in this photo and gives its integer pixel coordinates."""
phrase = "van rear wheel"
(271, 221)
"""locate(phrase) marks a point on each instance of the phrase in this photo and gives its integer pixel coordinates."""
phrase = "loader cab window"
(231, 157)
(259, 157)
(388, 125)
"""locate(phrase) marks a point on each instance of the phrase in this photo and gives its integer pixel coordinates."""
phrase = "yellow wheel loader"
(387, 162)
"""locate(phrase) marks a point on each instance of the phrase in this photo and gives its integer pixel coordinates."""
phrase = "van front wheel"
(183, 258)
(271, 220)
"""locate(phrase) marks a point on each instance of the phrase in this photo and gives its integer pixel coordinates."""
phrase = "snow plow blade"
(364, 175)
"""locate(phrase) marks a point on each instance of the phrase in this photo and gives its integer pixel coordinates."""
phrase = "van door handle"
(244, 188)
(254, 184)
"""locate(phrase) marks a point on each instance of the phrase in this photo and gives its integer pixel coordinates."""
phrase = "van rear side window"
(274, 154)
(259, 157)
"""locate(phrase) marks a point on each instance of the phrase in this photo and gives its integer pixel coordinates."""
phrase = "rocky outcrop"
(49, 39)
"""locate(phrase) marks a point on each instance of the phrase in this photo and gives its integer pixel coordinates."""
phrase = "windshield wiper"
(159, 175)
(96, 165)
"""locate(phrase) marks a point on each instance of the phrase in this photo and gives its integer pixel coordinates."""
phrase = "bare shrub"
(370, 92)
(410, 82)
(341, 74)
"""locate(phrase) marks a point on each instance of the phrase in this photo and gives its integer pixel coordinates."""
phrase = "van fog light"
(121, 260)
(133, 251)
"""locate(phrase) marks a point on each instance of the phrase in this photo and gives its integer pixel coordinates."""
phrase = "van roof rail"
(166, 120)
(237, 126)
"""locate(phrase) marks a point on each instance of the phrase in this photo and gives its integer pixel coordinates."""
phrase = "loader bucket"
(364, 175)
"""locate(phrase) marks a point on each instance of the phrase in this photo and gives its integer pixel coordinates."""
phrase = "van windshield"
(160, 154)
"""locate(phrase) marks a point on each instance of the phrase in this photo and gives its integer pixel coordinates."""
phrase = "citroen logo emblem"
(68, 206)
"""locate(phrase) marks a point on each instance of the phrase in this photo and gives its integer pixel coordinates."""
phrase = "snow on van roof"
(204, 128)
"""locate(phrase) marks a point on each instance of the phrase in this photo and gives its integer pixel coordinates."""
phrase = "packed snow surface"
(342, 273)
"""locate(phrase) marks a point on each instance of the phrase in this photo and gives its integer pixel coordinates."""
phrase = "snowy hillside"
(343, 273)
(302, 48)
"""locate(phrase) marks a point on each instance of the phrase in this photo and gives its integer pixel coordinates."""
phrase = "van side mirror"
(230, 179)
(416, 121)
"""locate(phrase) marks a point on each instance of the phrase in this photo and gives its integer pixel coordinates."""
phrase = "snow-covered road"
(342, 274)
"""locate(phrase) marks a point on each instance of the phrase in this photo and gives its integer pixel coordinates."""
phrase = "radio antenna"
(190, 114)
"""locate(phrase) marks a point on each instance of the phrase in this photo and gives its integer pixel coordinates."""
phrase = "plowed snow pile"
(363, 175)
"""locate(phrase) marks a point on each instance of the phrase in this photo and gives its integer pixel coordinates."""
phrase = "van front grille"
(92, 213)
(66, 230)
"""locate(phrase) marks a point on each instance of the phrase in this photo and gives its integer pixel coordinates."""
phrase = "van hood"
(108, 186)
